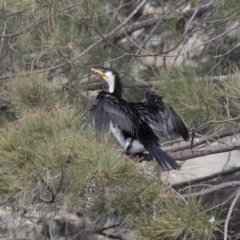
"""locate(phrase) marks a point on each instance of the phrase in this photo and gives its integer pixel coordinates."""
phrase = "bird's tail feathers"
(163, 159)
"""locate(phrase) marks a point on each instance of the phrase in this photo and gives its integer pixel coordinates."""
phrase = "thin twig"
(191, 19)
(212, 137)
(222, 203)
(43, 199)
(200, 10)
(226, 53)
(229, 215)
(21, 31)
(147, 38)
(207, 178)
(204, 151)
(53, 196)
(226, 163)
(177, 193)
(2, 39)
(213, 188)
(195, 186)
(146, 23)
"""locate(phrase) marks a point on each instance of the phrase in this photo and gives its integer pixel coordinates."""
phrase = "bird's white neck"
(110, 79)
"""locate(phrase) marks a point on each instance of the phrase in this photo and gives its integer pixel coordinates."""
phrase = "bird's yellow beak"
(98, 71)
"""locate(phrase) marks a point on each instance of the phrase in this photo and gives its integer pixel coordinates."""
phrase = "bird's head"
(112, 78)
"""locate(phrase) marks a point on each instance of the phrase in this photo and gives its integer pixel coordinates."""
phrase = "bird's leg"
(128, 146)
(140, 156)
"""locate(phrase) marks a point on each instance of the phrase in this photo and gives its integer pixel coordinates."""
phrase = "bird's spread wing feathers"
(175, 123)
(145, 115)
(167, 118)
(98, 117)
(108, 109)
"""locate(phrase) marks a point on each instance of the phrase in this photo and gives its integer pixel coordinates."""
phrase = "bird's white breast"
(136, 146)
(118, 134)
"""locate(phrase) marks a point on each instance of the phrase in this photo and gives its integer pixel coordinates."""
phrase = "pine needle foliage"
(33, 92)
(232, 89)
(186, 220)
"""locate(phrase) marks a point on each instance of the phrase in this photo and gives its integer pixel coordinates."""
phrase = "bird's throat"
(116, 88)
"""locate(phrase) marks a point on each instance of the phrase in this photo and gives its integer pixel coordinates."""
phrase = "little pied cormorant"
(133, 124)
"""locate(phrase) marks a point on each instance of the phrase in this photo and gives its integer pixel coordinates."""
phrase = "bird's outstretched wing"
(109, 108)
(98, 117)
(147, 116)
(175, 123)
(166, 116)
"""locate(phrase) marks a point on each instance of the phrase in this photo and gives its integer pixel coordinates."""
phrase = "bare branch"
(177, 193)
(208, 150)
(152, 21)
(229, 215)
(198, 11)
(215, 121)
(197, 142)
(147, 38)
(43, 199)
(213, 188)
(229, 51)
(191, 19)
(207, 178)
(136, 26)
(2, 39)
(224, 202)
(21, 31)
(53, 196)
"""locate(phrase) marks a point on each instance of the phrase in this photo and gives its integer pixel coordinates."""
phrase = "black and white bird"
(133, 124)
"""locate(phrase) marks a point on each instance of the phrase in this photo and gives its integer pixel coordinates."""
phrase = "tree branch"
(205, 139)
(207, 178)
(136, 26)
(21, 31)
(213, 188)
(208, 150)
(199, 10)
(229, 214)
(154, 20)
(143, 44)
